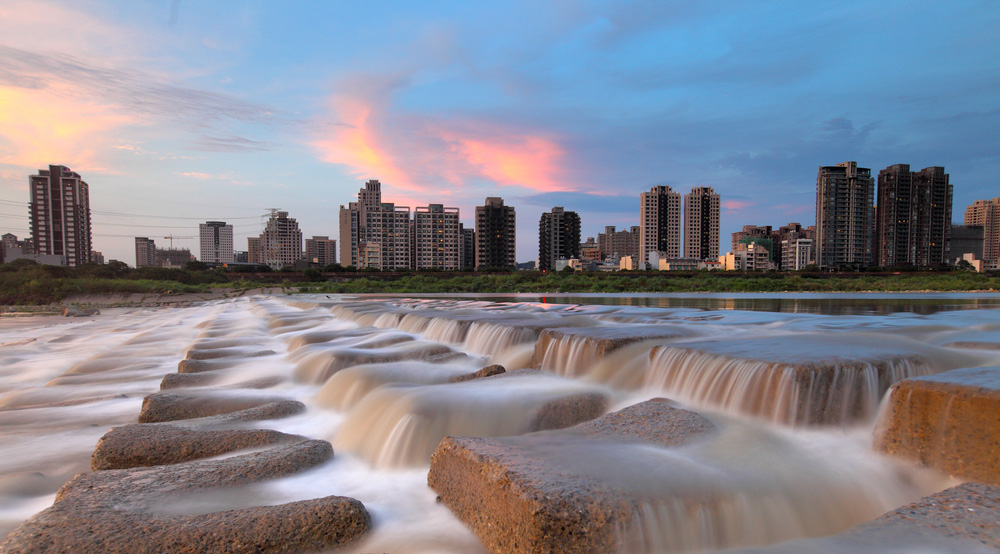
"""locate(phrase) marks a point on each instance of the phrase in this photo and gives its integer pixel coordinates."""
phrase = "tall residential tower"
(701, 224)
(844, 216)
(558, 237)
(60, 214)
(913, 217)
(659, 222)
(495, 235)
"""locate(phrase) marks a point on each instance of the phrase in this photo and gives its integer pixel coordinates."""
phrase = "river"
(793, 457)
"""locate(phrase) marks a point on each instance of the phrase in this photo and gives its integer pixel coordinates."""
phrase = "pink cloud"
(420, 154)
(736, 205)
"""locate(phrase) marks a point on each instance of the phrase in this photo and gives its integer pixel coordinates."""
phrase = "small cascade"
(820, 386)
(348, 386)
(399, 426)
(568, 355)
(451, 331)
(413, 323)
(387, 320)
(316, 366)
(488, 337)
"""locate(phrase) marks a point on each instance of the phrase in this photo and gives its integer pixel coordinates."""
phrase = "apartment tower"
(145, 252)
(495, 235)
(701, 224)
(60, 214)
(370, 222)
(844, 216)
(659, 222)
(558, 237)
(437, 241)
(320, 250)
(281, 241)
(986, 213)
(913, 219)
(216, 240)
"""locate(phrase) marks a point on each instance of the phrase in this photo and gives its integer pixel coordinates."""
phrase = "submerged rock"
(949, 421)
(120, 510)
(488, 371)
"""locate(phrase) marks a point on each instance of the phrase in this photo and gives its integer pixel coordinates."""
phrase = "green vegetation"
(703, 281)
(24, 282)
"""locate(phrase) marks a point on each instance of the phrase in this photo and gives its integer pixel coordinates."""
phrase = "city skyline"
(193, 113)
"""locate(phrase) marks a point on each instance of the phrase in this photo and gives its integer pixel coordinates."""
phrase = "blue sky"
(177, 112)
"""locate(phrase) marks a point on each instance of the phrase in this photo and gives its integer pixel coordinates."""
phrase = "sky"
(178, 112)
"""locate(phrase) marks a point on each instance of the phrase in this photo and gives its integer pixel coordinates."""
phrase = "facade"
(495, 235)
(216, 240)
(321, 250)
(370, 221)
(437, 240)
(173, 257)
(967, 239)
(590, 251)
(986, 213)
(845, 216)
(281, 241)
(558, 237)
(254, 253)
(701, 224)
(659, 222)
(755, 257)
(615, 245)
(796, 253)
(913, 219)
(60, 214)
(467, 251)
(145, 252)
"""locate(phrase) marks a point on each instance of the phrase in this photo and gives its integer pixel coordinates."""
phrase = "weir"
(377, 379)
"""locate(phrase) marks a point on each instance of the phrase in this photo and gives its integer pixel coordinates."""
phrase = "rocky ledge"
(950, 421)
(516, 498)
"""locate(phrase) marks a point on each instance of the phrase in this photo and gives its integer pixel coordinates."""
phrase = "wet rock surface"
(145, 444)
(949, 421)
(516, 500)
(117, 510)
(171, 406)
(488, 371)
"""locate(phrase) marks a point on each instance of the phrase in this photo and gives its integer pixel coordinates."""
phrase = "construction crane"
(172, 237)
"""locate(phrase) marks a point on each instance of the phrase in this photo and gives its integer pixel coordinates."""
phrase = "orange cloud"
(422, 155)
(736, 205)
(530, 162)
(355, 145)
(43, 126)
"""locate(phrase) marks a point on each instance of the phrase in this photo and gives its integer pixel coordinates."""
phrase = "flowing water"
(793, 382)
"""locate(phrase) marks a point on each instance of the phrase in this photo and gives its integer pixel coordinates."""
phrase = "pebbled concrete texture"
(146, 444)
(515, 500)
(963, 519)
(117, 510)
(171, 406)
(949, 421)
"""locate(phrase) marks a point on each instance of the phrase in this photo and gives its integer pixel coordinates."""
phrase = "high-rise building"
(659, 223)
(845, 217)
(436, 237)
(173, 257)
(255, 255)
(967, 239)
(467, 252)
(913, 217)
(370, 221)
(986, 213)
(321, 250)
(558, 237)
(701, 224)
(216, 240)
(281, 241)
(145, 252)
(60, 214)
(495, 235)
(590, 251)
(616, 245)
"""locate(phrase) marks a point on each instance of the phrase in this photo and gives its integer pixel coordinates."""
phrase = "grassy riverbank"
(29, 284)
(532, 282)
